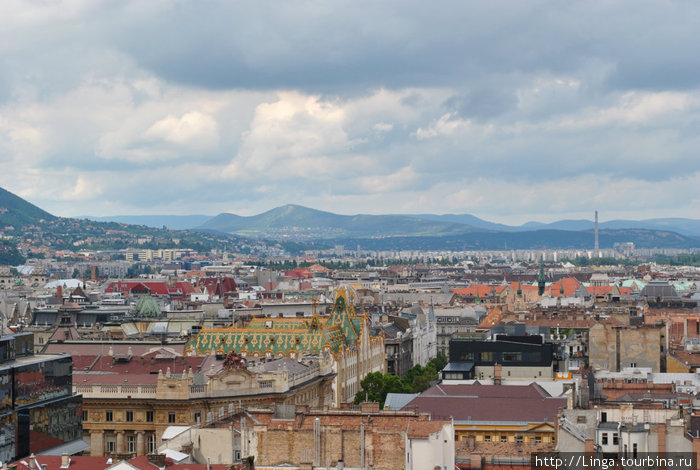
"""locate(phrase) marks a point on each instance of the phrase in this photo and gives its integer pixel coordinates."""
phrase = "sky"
(510, 111)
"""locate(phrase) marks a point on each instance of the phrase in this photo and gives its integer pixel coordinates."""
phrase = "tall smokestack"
(596, 231)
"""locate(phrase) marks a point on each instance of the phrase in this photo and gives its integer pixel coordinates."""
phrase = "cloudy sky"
(511, 111)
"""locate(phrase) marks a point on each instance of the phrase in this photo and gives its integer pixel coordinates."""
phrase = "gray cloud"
(496, 108)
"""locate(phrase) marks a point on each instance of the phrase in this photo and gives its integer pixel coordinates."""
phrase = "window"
(129, 416)
(519, 439)
(149, 416)
(171, 417)
(538, 439)
(237, 455)
(486, 356)
(131, 443)
(633, 364)
(512, 356)
(85, 415)
(108, 416)
(466, 356)
(580, 419)
(603, 417)
(634, 450)
(197, 417)
(151, 440)
(604, 439)
(111, 445)
(504, 438)
(487, 438)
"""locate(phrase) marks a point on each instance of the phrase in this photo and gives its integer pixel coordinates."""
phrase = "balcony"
(115, 391)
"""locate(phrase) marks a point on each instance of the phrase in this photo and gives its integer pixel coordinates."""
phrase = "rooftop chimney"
(497, 374)
(157, 459)
(65, 460)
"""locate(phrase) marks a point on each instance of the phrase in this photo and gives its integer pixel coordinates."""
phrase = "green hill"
(17, 212)
(298, 222)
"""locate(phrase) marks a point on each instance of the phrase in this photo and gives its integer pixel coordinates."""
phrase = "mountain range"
(466, 231)
(406, 224)
(302, 224)
(388, 225)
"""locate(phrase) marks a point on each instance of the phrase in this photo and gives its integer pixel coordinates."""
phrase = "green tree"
(10, 256)
(439, 361)
(376, 386)
(76, 273)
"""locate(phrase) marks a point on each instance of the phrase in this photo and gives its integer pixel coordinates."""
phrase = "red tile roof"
(689, 358)
(81, 462)
(185, 287)
(154, 287)
(479, 290)
(422, 429)
(317, 268)
(523, 287)
(39, 441)
(93, 348)
(521, 403)
(570, 286)
(53, 462)
(607, 290)
(142, 463)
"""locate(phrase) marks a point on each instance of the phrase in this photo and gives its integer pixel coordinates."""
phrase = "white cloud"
(383, 127)
(634, 108)
(193, 129)
(447, 125)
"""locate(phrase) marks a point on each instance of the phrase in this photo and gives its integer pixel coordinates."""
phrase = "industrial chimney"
(596, 246)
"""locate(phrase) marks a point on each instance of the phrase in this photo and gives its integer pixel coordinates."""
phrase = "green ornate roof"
(147, 307)
(287, 336)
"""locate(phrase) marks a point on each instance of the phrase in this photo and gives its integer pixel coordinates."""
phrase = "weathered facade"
(127, 413)
(615, 347)
(304, 438)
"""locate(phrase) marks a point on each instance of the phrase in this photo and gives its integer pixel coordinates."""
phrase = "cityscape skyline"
(108, 109)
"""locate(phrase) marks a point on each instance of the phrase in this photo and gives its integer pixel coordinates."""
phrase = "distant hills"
(293, 223)
(298, 222)
(688, 227)
(17, 212)
(307, 220)
(37, 230)
(453, 232)
(173, 222)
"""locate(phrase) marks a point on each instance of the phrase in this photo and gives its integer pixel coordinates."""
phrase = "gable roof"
(479, 290)
(568, 285)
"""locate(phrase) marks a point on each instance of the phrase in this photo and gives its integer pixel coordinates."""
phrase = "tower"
(596, 246)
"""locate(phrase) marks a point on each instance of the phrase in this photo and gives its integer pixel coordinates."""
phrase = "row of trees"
(376, 386)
